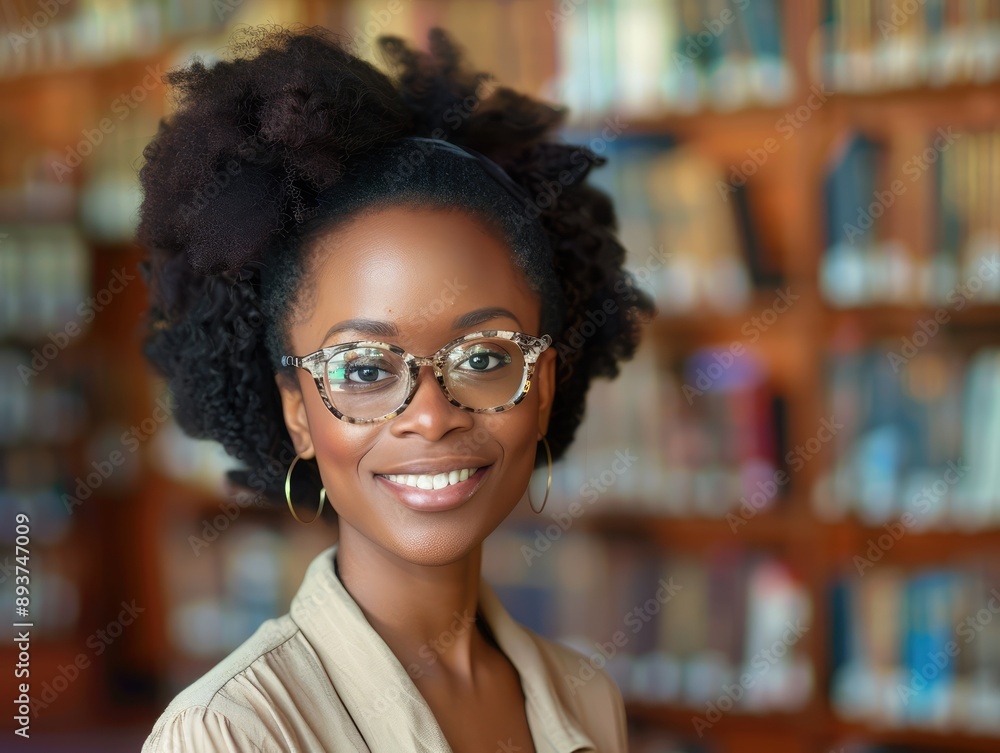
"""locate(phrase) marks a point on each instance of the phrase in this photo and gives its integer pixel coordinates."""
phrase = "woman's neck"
(426, 614)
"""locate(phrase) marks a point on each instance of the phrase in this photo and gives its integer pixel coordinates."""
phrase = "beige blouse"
(321, 679)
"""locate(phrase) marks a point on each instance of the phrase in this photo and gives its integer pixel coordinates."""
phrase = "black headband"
(494, 170)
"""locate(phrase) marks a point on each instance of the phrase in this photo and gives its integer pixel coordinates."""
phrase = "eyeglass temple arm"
(541, 343)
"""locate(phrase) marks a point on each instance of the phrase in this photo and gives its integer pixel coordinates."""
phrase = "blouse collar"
(382, 698)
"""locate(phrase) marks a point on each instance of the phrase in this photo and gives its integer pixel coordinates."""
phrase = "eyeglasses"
(367, 382)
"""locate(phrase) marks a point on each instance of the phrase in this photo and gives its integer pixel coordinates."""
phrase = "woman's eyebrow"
(377, 328)
(369, 327)
(484, 314)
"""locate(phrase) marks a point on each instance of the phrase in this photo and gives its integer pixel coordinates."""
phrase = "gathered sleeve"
(199, 729)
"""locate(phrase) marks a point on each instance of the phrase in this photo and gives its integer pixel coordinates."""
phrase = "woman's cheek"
(339, 453)
(517, 436)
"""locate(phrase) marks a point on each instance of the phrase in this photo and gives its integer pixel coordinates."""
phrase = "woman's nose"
(430, 413)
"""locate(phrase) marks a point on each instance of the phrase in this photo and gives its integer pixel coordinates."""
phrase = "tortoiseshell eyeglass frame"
(316, 363)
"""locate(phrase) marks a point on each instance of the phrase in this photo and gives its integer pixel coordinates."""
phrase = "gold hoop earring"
(548, 482)
(288, 495)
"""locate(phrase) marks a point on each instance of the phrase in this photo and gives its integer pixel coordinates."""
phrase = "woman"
(347, 292)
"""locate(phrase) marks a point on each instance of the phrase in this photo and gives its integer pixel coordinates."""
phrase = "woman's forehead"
(420, 270)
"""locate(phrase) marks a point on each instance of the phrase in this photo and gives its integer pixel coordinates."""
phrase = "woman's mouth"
(434, 491)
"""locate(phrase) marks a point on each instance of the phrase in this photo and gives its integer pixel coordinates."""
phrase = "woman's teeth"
(433, 481)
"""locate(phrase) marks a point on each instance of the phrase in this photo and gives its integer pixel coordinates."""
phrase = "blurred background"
(777, 528)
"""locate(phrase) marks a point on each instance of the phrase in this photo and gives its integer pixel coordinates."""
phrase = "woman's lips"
(429, 500)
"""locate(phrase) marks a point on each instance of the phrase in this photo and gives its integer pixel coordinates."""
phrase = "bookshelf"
(779, 151)
(787, 187)
(80, 410)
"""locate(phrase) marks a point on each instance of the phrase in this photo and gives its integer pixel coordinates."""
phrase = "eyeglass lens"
(370, 382)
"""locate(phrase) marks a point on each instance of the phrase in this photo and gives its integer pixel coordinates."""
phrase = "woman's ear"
(293, 405)
(544, 380)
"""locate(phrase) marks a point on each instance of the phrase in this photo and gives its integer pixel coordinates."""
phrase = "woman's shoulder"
(200, 728)
(220, 711)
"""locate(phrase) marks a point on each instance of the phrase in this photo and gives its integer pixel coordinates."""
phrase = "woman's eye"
(364, 373)
(485, 360)
(361, 372)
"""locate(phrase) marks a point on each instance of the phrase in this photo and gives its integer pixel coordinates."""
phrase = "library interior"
(775, 528)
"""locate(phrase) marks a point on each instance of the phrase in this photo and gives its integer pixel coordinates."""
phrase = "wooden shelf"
(886, 320)
(911, 547)
(693, 533)
(952, 741)
(706, 121)
(810, 724)
(842, 540)
(123, 64)
(722, 327)
(687, 330)
(919, 96)
(799, 731)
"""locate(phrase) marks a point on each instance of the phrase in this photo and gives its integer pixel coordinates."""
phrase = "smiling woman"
(340, 271)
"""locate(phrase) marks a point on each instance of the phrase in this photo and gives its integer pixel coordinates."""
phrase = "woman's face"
(417, 271)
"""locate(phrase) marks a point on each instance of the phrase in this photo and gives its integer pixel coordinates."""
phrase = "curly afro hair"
(292, 135)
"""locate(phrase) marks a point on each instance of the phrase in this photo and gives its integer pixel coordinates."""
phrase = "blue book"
(771, 72)
(848, 191)
(842, 643)
(929, 678)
